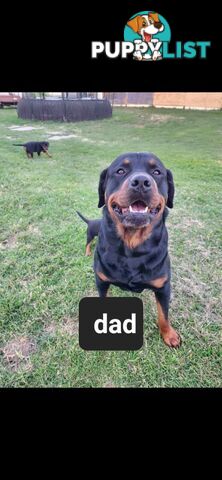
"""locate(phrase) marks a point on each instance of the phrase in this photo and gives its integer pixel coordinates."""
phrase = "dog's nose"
(158, 24)
(140, 182)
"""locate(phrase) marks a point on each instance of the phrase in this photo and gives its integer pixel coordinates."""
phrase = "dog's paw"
(155, 55)
(137, 55)
(171, 338)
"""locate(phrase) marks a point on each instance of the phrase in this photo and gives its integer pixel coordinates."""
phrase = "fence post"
(64, 111)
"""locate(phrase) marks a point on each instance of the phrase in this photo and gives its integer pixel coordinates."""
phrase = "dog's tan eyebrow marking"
(126, 161)
(152, 162)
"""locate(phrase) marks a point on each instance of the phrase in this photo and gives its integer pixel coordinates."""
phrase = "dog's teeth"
(144, 210)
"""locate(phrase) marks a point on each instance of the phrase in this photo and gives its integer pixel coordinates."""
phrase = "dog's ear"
(102, 186)
(154, 17)
(171, 189)
(134, 23)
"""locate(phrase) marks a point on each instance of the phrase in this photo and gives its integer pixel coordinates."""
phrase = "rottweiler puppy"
(31, 147)
(136, 191)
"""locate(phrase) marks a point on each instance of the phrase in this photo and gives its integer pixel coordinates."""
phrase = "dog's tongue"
(147, 37)
(138, 207)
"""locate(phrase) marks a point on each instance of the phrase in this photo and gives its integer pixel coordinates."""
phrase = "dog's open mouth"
(136, 208)
(137, 214)
(147, 37)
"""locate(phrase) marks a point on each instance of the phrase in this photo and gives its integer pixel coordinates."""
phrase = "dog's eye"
(156, 172)
(120, 171)
(151, 21)
(144, 24)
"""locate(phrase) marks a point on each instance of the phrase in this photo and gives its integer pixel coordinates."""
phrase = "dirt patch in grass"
(25, 282)
(10, 242)
(109, 384)
(50, 329)
(188, 223)
(62, 137)
(53, 133)
(68, 326)
(24, 128)
(158, 118)
(92, 293)
(132, 368)
(16, 353)
(79, 137)
(34, 230)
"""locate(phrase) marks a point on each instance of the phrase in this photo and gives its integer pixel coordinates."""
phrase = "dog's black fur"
(132, 247)
(31, 147)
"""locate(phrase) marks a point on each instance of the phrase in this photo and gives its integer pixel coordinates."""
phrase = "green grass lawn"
(44, 272)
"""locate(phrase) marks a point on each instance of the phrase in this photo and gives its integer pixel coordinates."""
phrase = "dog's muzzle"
(138, 203)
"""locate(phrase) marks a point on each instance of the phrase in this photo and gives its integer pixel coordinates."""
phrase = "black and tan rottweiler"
(31, 147)
(132, 247)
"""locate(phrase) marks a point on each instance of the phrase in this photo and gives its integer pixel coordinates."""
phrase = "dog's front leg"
(170, 336)
(102, 286)
(45, 151)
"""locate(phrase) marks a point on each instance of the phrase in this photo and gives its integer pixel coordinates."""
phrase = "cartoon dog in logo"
(146, 26)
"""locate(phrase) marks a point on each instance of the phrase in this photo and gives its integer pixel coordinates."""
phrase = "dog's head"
(146, 25)
(136, 187)
(45, 145)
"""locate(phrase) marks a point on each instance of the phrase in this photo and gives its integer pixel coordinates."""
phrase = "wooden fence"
(196, 100)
